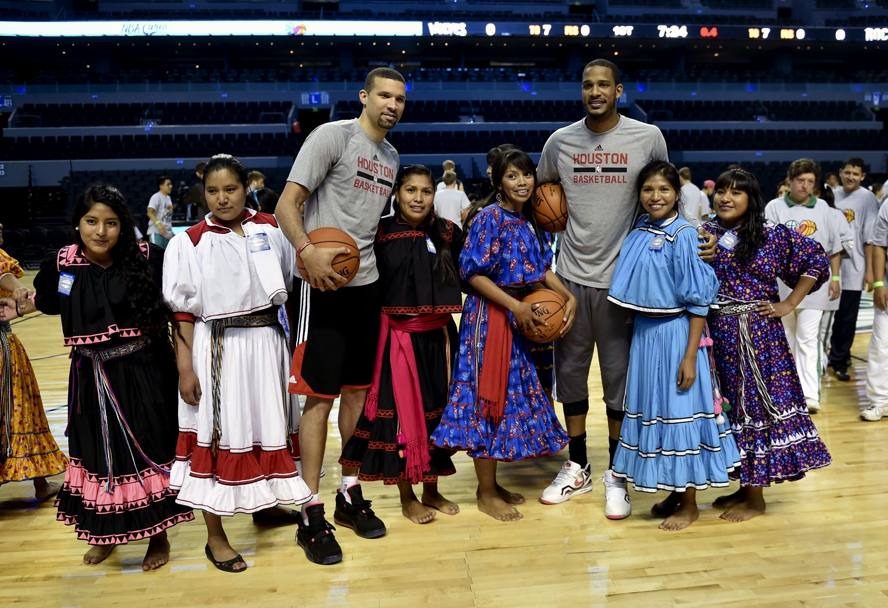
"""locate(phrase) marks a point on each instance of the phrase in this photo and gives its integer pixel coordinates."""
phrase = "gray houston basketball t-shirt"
(350, 178)
(598, 173)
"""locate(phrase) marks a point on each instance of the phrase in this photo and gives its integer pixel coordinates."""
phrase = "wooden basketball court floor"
(823, 541)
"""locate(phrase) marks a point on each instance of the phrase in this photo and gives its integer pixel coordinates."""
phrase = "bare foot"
(729, 500)
(417, 512)
(222, 551)
(44, 490)
(498, 508)
(97, 554)
(667, 507)
(744, 511)
(513, 498)
(158, 552)
(683, 517)
(436, 501)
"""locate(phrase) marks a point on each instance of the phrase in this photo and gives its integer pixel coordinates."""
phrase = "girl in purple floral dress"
(769, 419)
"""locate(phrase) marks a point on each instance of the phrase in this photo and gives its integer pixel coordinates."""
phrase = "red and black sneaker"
(357, 514)
(316, 537)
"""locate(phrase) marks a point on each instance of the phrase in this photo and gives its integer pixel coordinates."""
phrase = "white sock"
(314, 500)
(347, 482)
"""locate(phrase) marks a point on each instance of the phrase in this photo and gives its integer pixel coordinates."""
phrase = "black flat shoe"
(229, 564)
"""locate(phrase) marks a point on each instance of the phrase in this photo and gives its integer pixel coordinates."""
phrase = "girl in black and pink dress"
(122, 394)
(415, 254)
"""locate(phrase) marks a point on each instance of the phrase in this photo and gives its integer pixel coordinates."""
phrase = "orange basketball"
(550, 309)
(346, 264)
(550, 207)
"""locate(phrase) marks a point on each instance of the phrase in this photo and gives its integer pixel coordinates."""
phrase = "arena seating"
(185, 113)
(661, 109)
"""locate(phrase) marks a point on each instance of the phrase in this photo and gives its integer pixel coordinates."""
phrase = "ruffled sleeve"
(9, 265)
(46, 285)
(181, 279)
(800, 257)
(287, 255)
(695, 283)
(481, 252)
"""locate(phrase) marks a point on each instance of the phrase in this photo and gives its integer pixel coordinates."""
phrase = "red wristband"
(302, 247)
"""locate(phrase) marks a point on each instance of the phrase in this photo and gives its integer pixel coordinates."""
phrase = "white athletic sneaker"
(616, 498)
(813, 406)
(873, 413)
(571, 480)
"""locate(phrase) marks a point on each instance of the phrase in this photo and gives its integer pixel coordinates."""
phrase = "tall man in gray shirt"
(597, 159)
(342, 178)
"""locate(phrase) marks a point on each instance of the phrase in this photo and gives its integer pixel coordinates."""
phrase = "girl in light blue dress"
(672, 438)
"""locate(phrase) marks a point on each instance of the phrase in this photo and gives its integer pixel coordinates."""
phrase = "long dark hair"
(142, 290)
(521, 161)
(493, 155)
(444, 267)
(667, 171)
(751, 231)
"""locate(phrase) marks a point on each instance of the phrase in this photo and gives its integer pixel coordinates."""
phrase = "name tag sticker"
(66, 282)
(258, 242)
(430, 245)
(657, 243)
(728, 241)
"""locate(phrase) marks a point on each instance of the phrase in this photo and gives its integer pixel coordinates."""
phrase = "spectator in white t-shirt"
(160, 213)
(450, 202)
(693, 207)
(449, 165)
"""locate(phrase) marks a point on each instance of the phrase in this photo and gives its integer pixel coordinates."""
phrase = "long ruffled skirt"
(529, 427)
(670, 439)
(254, 467)
(134, 501)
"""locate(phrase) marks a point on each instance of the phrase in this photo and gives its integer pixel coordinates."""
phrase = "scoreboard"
(560, 30)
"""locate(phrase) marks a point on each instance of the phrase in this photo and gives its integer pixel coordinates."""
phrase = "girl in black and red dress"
(415, 253)
(123, 385)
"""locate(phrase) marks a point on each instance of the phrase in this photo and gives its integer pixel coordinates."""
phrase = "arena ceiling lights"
(97, 29)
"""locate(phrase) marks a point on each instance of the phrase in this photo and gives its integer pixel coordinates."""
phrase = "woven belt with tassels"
(746, 350)
(108, 401)
(265, 318)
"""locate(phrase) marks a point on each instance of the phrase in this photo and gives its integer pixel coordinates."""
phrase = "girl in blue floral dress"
(497, 409)
(672, 438)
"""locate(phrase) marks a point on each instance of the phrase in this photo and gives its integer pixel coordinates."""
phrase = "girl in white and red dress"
(122, 389)
(224, 279)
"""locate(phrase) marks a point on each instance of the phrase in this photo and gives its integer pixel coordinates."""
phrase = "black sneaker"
(358, 515)
(316, 538)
